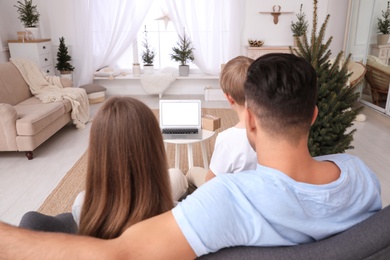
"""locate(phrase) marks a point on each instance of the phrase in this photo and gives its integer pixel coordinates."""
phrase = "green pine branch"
(299, 27)
(28, 13)
(330, 132)
(184, 50)
(384, 25)
(148, 53)
(63, 58)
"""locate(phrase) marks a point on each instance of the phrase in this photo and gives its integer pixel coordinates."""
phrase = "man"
(291, 198)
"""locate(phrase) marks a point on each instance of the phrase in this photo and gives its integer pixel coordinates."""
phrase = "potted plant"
(299, 27)
(63, 60)
(147, 55)
(29, 16)
(383, 28)
(183, 53)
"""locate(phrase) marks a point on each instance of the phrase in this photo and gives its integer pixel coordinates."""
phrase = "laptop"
(181, 119)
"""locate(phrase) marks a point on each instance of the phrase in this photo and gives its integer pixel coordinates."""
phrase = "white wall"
(9, 23)
(57, 20)
(261, 27)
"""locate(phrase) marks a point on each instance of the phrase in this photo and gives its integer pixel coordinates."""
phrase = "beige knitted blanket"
(49, 89)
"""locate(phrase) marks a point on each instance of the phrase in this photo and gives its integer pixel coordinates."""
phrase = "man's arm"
(156, 238)
(18, 243)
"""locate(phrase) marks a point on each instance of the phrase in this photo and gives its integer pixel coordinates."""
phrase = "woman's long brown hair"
(127, 175)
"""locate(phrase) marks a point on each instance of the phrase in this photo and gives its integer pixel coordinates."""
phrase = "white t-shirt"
(265, 207)
(232, 152)
(77, 206)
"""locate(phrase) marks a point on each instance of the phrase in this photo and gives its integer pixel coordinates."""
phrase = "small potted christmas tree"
(384, 27)
(147, 55)
(63, 60)
(299, 27)
(29, 17)
(183, 53)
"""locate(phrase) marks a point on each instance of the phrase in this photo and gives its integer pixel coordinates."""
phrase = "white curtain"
(213, 26)
(82, 50)
(104, 31)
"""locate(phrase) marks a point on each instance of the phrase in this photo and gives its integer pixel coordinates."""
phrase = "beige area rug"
(61, 199)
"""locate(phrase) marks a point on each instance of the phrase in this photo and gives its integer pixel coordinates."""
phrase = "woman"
(127, 174)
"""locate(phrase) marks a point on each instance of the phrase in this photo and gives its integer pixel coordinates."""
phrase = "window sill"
(192, 76)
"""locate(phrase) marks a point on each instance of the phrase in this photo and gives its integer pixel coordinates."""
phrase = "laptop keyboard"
(180, 131)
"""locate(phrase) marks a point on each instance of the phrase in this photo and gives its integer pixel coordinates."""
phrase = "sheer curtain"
(104, 30)
(82, 50)
(213, 26)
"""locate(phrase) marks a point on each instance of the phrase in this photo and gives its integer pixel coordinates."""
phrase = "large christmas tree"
(336, 101)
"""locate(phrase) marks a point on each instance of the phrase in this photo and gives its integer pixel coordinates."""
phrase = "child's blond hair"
(233, 76)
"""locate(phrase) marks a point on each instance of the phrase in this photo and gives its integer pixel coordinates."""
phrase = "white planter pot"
(184, 70)
(66, 75)
(382, 39)
(32, 33)
(148, 69)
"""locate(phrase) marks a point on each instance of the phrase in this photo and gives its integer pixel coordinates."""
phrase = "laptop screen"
(180, 113)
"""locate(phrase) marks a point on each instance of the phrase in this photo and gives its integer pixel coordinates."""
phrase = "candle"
(135, 51)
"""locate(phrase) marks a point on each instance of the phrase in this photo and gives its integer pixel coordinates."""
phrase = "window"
(162, 36)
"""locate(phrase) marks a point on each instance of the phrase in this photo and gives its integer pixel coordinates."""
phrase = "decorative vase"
(136, 70)
(32, 33)
(184, 70)
(382, 39)
(66, 74)
(148, 69)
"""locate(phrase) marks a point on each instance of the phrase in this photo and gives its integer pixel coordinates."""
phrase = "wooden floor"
(24, 184)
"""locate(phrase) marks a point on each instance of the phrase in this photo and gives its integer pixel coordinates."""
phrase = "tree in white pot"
(384, 28)
(29, 17)
(63, 60)
(183, 53)
(299, 27)
(147, 55)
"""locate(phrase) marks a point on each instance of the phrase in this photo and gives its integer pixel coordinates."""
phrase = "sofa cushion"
(35, 101)
(32, 118)
(92, 88)
(95, 92)
(13, 88)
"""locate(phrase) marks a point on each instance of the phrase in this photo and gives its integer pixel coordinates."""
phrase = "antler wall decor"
(276, 12)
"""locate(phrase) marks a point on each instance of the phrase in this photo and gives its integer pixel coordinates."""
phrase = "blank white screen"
(176, 114)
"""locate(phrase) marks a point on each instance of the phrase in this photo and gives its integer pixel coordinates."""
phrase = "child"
(232, 152)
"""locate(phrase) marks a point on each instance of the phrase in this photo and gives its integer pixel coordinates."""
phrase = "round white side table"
(206, 134)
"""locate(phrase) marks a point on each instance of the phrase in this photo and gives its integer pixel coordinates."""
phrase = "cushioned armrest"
(8, 127)
(369, 239)
(37, 221)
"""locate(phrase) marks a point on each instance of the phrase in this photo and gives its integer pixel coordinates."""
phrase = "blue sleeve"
(207, 218)
(218, 215)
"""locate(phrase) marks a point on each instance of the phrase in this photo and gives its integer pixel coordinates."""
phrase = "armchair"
(378, 77)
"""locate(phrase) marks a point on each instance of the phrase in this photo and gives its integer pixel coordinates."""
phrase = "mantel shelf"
(281, 12)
